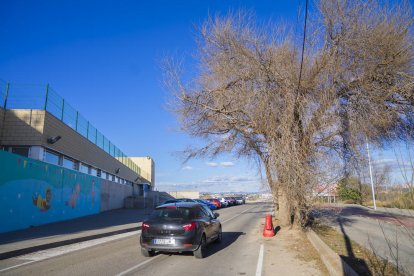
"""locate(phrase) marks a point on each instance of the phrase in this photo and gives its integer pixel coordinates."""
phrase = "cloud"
(187, 168)
(214, 184)
(225, 164)
(393, 164)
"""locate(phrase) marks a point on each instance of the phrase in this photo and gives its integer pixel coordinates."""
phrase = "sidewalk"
(56, 234)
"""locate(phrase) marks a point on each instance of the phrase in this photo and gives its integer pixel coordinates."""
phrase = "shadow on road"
(227, 239)
(120, 219)
(356, 263)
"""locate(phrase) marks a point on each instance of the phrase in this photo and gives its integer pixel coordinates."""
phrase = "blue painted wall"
(34, 193)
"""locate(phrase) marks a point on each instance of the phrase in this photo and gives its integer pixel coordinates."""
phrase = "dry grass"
(363, 261)
(306, 252)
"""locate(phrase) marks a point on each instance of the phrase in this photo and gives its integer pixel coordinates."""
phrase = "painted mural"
(34, 193)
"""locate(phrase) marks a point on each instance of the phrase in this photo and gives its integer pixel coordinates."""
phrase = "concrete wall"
(22, 127)
(147, 166)
(34, 193)
(113, 195)
(186, 194)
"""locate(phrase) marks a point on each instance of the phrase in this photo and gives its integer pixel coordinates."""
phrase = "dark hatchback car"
(179, 227)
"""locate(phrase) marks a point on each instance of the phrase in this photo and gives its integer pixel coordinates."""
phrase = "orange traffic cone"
(268, 228)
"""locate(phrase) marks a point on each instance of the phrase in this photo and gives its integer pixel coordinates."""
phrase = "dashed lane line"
(137, 266)
(238, 214)
(259, 267)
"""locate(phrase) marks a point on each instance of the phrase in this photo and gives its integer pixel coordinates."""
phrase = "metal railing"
(21, 96)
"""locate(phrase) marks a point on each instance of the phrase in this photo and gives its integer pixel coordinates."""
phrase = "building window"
(83, 168)
(103, 175)
(94, 172)
(23, 151)
(68, 163)
(51, 158)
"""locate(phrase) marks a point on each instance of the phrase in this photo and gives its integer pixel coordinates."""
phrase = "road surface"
(390, 235)
(240, 253)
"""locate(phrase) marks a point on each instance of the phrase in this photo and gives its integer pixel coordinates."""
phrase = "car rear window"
(173, 213)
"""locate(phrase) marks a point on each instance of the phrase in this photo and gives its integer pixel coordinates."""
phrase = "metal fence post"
(63, 109)
(47, 95)
(76, 126)
(87, 131)
(7, 95)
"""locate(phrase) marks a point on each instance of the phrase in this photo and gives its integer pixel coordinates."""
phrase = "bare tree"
(247, 97)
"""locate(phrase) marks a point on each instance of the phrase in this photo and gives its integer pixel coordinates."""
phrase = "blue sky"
(103, 58)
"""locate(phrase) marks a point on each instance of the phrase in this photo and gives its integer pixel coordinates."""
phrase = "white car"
(223, 201)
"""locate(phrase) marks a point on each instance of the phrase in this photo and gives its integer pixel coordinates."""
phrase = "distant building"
(326, 192)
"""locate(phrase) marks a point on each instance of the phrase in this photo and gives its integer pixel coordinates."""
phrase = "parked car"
(223, 202)
(170, 201)
(206, 202)
(239, 200)
(215, 201)
(231, 200)
(178, 227)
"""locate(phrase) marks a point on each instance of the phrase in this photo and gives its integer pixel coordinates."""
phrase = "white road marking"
(58, 251)
(15, 266)
(137, 266)
(238, 214)
(260, 261)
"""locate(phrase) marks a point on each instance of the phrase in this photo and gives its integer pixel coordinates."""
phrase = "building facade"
(57, 163)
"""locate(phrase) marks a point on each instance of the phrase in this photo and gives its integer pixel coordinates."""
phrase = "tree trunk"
(284, 213)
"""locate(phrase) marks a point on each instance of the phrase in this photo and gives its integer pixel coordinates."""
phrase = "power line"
(303, 44)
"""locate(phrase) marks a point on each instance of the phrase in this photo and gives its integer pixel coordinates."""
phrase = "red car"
(215, 201)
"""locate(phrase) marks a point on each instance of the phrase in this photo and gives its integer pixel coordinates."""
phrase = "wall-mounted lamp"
(136, 179)
(53, 139)
(117, 170)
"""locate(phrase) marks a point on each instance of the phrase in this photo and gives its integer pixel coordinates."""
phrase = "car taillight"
(190, 226)
(145, 226)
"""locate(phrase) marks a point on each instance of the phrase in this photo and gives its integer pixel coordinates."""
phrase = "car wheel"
(219, 236)
(200, 252)
(147, 253)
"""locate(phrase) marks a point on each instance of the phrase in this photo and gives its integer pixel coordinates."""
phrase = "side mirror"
(216, 215)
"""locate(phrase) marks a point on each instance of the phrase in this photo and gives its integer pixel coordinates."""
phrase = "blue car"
(206, 202)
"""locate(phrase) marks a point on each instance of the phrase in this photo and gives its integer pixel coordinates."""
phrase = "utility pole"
(370, 175)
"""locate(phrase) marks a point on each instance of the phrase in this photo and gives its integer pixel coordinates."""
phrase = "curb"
(24, 251)
(332, 261)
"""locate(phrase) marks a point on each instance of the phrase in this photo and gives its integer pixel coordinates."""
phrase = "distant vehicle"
(206, 202)
(239, 200)
(231, 200)
(178, 227)
(223, 202)
(215, 201)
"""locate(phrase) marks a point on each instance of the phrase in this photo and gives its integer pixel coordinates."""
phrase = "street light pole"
(370, 175)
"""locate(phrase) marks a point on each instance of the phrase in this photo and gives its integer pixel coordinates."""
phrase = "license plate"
(164, 241)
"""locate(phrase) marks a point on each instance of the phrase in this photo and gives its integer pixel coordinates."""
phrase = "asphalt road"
(391, 236)
(238, 254)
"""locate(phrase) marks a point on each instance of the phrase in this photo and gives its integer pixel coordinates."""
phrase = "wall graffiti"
(34, 193)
